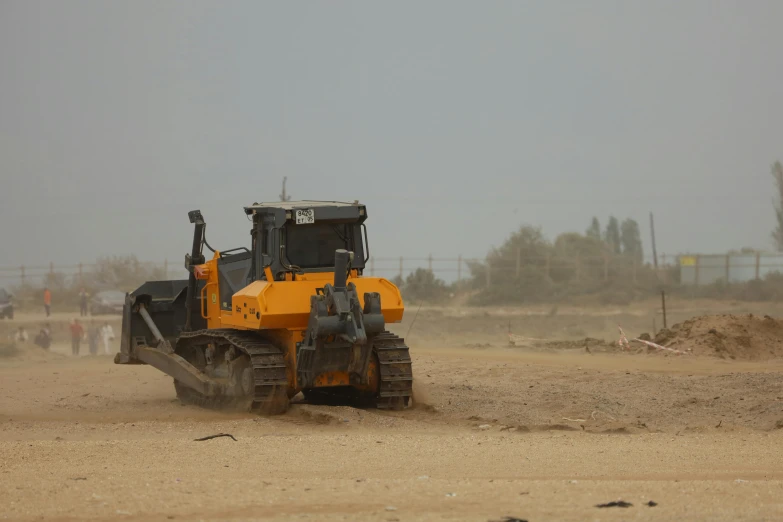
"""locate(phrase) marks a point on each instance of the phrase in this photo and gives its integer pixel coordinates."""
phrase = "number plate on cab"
(305, 216)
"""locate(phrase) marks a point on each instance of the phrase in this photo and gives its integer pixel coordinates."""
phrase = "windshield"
(313, 246)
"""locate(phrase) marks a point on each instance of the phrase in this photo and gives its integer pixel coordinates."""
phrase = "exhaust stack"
(342, 259)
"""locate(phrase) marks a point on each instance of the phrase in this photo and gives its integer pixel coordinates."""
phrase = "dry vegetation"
(584, 269)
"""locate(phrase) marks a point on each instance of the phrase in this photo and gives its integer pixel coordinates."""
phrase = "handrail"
(204, 298)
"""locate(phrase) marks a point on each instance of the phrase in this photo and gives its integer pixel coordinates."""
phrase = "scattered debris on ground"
(615, 503)
(208, 437)
(588, 344)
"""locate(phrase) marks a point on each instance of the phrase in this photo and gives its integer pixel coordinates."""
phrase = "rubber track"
(396, 372)
(270, 394)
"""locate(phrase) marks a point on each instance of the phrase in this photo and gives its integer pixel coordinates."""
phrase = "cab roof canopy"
(294, 205)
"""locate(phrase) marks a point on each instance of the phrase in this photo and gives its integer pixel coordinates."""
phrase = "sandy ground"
(496, 431)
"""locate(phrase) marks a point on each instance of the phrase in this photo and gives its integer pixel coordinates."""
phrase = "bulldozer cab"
(299, 237)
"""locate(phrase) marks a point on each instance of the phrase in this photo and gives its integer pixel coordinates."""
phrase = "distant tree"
(571, 244)
(398, 281)
(121, 273)
(571, 248)
(527, 268)
(777, 234)
(528, 243)
(595, 230)
(423, 285)
(612, 235)
(631, 240)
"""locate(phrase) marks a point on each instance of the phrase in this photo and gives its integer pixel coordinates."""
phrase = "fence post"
(758, 265)
(400, 267)
(519, 260)
(489, 275)
(663, 307)
(459, 271)
(429, 262)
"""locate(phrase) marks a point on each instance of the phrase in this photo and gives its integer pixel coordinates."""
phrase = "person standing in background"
(21, 335)
(47, 298)
(107, 333)
(44, 337)
(93, 336)
(77, 332)
(83, 295)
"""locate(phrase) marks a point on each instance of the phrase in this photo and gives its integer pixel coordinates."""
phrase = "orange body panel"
(282, 310)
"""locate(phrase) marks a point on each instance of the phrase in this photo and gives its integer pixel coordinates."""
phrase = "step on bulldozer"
(251, 328)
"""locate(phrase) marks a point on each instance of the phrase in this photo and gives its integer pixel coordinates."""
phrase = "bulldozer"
(253, 327)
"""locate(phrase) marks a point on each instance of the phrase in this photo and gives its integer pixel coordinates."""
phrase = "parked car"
(6, 304)
(107, 302)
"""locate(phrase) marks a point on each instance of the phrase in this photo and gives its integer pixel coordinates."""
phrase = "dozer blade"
(150, 323)
(166, 306)
(174, 365)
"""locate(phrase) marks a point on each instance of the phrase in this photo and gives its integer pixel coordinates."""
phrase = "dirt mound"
(743, 337)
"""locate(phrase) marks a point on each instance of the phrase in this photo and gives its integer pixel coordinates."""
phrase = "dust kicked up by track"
(495, 431)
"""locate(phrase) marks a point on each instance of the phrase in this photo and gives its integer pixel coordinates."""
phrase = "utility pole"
(658, 274)
(652, 233)
(284, 196)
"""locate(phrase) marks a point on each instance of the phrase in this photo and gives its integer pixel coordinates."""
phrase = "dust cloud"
(514, 162)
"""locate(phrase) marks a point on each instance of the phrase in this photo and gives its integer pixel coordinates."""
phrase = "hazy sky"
(455, 122)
